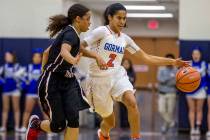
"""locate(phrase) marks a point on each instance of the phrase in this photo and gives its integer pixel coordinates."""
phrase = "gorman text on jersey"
(114, 48)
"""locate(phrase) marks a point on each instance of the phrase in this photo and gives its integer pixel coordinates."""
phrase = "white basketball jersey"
(110, 46)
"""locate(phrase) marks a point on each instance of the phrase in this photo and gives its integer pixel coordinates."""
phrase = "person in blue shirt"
(208, 97)
(167, 94)
(9, 74)
(32, 74)
(196, 99)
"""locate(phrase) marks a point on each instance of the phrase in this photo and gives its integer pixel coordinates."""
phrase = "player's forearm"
(45, 57)
(160, 61)
(68, 57)
(88, 53)
(154, 60)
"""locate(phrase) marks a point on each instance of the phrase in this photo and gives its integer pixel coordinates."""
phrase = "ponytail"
(57, 23)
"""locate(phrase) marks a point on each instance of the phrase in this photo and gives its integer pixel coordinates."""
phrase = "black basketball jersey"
(56, 63)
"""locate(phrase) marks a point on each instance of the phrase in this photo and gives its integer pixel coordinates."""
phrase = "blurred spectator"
(127, 64)
(208, 99)
(196, 99)
(167, 94)
(10, 75)
(32, 74)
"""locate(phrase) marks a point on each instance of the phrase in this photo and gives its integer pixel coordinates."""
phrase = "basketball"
(187, 79)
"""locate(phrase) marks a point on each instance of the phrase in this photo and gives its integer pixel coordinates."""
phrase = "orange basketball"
(188, 79)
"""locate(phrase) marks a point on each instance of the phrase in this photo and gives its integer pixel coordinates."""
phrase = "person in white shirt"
(106, 86)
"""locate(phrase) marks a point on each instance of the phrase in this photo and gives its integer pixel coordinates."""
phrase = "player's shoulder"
(125, 36)
(101, 29)
(68, 30)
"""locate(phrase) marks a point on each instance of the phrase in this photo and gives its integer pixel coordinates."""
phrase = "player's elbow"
(62, 54)
(46, 51)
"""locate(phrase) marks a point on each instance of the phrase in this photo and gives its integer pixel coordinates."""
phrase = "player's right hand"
(181, 63)
(101, 63)
(77, 58)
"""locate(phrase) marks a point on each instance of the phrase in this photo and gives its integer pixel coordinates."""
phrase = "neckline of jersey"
(74, 30)
(112, 32)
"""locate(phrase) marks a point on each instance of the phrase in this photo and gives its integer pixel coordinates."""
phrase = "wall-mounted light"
(138, 7)
(149, 15)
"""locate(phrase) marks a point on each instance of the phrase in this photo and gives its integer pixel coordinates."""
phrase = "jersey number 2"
(112, 57)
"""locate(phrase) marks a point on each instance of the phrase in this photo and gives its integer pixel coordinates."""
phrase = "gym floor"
(151, 124)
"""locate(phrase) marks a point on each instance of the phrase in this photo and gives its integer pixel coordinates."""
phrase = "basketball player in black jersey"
(59, 92)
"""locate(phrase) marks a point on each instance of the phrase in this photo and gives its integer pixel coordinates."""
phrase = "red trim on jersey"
(98, 45)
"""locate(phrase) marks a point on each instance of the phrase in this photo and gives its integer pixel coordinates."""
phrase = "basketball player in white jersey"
(106, 86)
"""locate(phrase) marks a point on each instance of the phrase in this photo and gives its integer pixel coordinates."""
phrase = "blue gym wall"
(22, 47)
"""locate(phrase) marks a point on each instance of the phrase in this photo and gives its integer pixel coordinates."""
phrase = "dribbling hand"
(181, 63)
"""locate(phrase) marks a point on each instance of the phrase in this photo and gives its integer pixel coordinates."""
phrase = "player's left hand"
(181, 63)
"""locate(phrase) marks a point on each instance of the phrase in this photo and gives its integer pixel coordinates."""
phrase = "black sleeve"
(69, 38)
